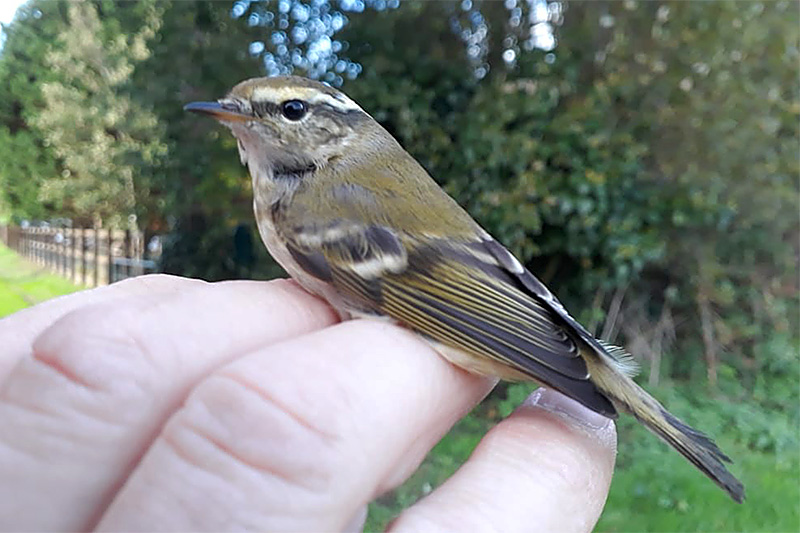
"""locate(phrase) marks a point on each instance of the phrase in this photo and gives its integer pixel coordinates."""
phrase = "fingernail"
(356, 523)
(566, 408)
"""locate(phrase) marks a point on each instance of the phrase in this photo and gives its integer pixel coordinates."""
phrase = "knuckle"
(227, 424)
(148, 282)
(99, 349)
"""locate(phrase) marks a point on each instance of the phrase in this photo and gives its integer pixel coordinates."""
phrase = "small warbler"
(355, 219)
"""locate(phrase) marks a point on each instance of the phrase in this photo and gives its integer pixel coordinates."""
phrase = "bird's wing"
(486, 307)
(614, 355)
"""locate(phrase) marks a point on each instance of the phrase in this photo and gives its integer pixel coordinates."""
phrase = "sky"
(8, 8)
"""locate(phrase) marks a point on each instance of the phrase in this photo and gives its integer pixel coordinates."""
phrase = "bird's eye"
(294, 109)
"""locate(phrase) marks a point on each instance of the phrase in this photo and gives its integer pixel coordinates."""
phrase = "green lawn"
(23, 284)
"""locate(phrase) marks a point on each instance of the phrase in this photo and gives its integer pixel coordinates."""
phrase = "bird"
(356, 220)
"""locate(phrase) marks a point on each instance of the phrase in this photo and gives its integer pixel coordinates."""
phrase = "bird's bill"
(217, 111)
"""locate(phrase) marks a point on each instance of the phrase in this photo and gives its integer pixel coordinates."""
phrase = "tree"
(25, 159)
(204, 193)
(110, 145)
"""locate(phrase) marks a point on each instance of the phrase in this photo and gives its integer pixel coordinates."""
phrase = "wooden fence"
(87, 256)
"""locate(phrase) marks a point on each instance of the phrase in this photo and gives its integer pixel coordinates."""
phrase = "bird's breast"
(280, 253)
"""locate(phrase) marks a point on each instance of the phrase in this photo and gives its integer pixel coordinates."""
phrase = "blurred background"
(642, 158)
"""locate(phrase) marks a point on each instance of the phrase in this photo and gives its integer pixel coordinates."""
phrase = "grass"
(654, 488)
(23, 284)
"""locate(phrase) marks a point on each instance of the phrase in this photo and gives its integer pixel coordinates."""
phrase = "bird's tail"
(699, 449)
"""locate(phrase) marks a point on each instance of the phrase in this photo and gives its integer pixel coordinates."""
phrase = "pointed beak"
(221, 112)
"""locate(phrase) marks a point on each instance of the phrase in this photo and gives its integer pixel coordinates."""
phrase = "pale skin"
(169, 404)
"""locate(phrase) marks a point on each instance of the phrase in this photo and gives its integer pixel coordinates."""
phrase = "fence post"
(57, 249)
(63, 248)
(52, 245)
(51, 253)
(55, 255)
(37, 236)
(139, 245)
(47, 242)
(83, 255)
(64, 256)
(73, 241)
(110, 256)
(96, 239)
(127, 252)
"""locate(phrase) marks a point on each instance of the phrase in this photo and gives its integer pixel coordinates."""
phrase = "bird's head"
(286, 126)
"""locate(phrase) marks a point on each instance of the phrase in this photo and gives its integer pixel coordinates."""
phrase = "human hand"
(162, 403)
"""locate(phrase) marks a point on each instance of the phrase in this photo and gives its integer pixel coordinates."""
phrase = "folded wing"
(480, 308)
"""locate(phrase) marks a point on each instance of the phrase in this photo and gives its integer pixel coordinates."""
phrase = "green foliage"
(655, 156)
(716, 97)
(203, 192)
(25, 159)
(108, 144)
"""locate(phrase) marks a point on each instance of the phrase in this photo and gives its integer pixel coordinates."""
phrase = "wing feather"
(456, 326)
(486, 335)
(614, 355)
(480, 309)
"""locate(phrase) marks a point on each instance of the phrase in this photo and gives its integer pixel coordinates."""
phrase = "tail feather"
(698, 448)
(701, 451)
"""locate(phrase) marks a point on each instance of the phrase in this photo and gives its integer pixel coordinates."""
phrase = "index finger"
(92, 390)
(18, 331)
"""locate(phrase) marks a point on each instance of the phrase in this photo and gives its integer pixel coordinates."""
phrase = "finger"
(79, 412)
(298, 436)
(547, 467)
(19, 330)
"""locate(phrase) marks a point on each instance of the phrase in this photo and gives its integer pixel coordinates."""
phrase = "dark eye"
(293, 109)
